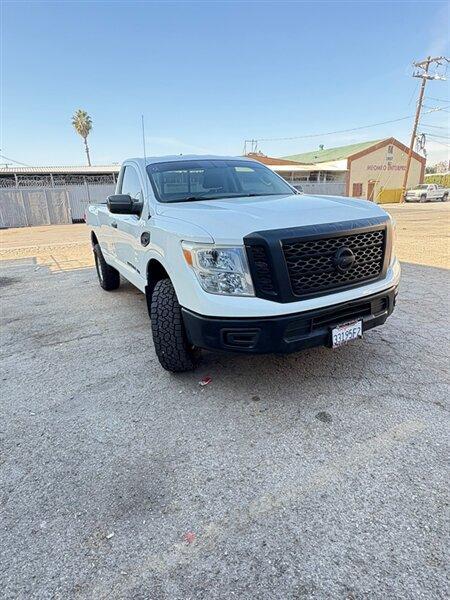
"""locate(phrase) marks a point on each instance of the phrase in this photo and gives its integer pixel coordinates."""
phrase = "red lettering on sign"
(386, 167)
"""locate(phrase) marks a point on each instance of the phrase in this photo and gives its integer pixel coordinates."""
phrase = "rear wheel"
(445, 197)
(423, 198)
(108, 276)
(172, 346)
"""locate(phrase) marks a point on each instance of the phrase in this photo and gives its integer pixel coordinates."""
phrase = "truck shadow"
(410, 342)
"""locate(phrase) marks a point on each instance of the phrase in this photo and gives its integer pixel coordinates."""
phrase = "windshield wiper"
(230, 195)
(267, 194)
(194, 198)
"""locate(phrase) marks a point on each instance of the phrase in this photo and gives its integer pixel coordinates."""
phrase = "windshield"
(190, 180)
(422, 187)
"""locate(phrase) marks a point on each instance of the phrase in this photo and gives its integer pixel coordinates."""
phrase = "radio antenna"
(145, 154)
(143, 138)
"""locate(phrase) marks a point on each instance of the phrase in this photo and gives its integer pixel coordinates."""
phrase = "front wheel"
(423, 198)
(172, 347)
(445, 198)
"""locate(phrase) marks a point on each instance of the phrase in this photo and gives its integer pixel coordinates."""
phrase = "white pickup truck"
(232, 258)
(427, 192)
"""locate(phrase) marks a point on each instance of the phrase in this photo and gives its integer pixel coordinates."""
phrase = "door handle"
(114, 224)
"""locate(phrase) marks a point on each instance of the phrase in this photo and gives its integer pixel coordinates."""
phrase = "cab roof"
(150, 160)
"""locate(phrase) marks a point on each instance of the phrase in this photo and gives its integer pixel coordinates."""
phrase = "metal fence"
(56, 179)
(80, 196)
(326, 188)
(24, 207)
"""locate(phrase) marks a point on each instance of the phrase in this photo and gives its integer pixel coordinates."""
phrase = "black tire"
(445, 198)
(108, 276)
(172, 347)
(423, 198)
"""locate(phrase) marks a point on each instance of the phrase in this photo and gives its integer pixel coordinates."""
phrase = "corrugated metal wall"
(80, 196)
(325, 188)
(24, 207)
(34, 206)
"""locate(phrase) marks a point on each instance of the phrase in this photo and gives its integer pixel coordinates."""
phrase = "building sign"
(388, 167)
(390, 153)
(389, 164)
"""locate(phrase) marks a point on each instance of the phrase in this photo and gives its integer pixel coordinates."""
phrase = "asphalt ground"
(316, 475)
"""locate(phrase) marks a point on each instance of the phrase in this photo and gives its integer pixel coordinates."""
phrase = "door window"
(131, 184)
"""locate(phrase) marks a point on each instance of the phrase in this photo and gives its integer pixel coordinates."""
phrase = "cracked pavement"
(321, 474)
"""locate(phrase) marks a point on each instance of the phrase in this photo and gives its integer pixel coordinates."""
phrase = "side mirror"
(123, 204)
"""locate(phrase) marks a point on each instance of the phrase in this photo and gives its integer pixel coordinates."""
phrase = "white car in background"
(427, 192)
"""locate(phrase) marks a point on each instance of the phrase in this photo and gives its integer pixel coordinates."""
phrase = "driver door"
(129, 227)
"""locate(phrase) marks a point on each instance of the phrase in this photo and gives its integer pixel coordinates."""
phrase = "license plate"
(346, 333)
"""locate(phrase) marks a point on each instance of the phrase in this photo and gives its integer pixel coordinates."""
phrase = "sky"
(207, 75)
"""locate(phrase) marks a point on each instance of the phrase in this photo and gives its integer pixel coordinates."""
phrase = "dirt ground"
(320, 475)
(58, 247)
(423, 237)
(423, 233)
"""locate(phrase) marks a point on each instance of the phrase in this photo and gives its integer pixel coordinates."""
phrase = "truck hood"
(228, 221)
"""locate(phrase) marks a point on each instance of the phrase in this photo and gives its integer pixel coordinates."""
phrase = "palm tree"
(83, 125)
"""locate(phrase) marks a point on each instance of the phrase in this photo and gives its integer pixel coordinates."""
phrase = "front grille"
(312, 263)
(262, 273)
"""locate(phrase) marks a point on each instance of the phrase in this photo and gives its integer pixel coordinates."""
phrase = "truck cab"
(231, 258)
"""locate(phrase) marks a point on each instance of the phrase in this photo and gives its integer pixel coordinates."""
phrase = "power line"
(413, 93)
(445, 137)
(14, 161)
(438, 142)
(434, 126)
(437, 99)
(435, 109)
(313, 135)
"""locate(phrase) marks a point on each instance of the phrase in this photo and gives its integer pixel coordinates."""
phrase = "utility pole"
(253, 146)
(421, 72)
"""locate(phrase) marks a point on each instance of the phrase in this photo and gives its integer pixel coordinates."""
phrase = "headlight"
(220, 269)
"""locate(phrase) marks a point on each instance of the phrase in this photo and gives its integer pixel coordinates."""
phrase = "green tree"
(83, 125)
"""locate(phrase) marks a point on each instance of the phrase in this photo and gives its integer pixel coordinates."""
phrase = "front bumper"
(287, 333)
